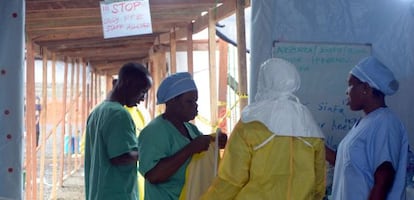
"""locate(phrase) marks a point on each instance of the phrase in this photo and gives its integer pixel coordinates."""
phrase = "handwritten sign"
(126, 18)
(324, 70)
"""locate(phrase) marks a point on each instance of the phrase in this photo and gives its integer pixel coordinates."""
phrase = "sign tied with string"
(125, 18)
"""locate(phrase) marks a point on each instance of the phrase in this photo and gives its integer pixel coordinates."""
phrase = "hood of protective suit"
(276, 106)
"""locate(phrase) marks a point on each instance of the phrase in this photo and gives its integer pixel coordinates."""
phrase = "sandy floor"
(73, 187)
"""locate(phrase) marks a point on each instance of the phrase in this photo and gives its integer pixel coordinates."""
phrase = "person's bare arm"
(126, 158)
(383, 180)
(330, 155)
(222, 139)
(166, 167)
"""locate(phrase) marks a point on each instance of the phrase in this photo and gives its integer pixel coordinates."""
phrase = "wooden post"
(158, 71)
(53, 77)
(190, 59)
(62, 139)
(43, 123)
(222, 93)
(99, 88)
(91, 91)
(109, 84)
(83, 107)
(84, 97)
(76, 110)
(173, 52)
(54, 148)
(241, 52)
(96, 88)
(151, 93)
(212, 69)
(70, 115)
(31, 160)
(54, 97)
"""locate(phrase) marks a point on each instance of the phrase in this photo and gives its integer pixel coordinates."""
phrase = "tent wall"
(387, 25)
(11, 98)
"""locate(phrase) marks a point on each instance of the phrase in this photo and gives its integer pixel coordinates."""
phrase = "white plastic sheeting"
(387, 24)
(11, 98)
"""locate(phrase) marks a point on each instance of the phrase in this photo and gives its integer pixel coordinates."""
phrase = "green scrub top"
(110, 132)
(160, 139)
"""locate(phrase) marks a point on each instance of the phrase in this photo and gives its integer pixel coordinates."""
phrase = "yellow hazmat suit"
(140, 121)
(285, 168)
(276, 150)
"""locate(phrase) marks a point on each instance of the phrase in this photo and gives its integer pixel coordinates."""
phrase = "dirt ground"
(73, 187)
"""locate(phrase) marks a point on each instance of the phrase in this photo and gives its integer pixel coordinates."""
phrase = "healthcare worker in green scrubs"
(111, 146)
(169, 141)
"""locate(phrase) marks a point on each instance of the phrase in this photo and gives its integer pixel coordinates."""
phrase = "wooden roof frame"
(73, 28)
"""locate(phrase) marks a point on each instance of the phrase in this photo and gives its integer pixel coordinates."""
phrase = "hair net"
(175, 85)
(276, 106)
(370, 70)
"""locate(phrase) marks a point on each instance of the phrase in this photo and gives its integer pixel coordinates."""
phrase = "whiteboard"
(324, 69)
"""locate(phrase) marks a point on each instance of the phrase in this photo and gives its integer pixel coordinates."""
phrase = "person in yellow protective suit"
(276, 150)
(140, 117)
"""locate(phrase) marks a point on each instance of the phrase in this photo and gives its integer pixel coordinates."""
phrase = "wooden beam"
(111, 72)
(47, 24)
(54, 137)
(154, 4)
(79, 52)
(157, 12)
(194, 45)
(102, 66)
(91, 91)
(90, 39)
(71, 114)
(70, 25)
(105, 64)
(173, 52)
(35, 16)
(100, 96)
(226, 9)
(159, 70)
(241, 53)
(212, 70)
(84, 95)
(101, 58)
(190, 47)
(31, 158)
(222, 88)
(219, 13)
(76, 111)
(43, 121)
(96, 89)
(73, 33)
(108, 83)
(67, 34)
(180, 3)
(63, 116)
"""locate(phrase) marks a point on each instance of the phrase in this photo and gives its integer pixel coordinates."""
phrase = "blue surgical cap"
(175, 85)
(370, 70)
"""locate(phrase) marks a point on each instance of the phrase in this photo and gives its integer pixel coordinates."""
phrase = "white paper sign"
(126, 18)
